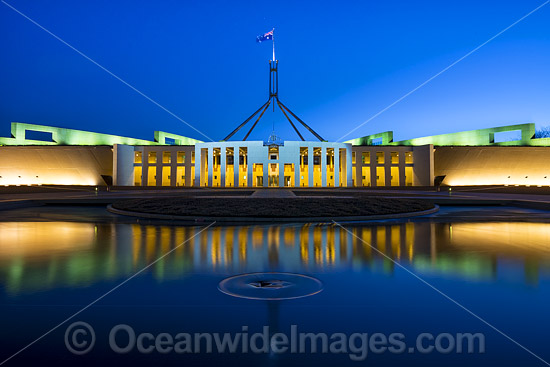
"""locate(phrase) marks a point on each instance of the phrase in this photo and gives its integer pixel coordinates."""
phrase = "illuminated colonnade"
(325, 164)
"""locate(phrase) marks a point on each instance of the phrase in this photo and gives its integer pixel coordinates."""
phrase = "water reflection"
(43, 255)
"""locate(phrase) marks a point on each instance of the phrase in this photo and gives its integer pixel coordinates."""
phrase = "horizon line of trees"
(542, 132)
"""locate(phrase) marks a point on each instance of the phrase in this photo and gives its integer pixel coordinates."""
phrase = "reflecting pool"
(386, 277)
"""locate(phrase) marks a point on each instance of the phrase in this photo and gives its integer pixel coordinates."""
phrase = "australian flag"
(265, 37)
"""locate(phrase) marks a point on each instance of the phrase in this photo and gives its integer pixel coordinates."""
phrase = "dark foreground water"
(393, 293)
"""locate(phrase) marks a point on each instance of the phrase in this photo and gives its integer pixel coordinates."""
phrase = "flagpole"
(273, 41)
(274, 65)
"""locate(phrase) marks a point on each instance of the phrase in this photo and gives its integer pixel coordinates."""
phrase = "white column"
(297, 173)
(198, 160)
(249, 169)
(336, 166)
(387, 167)
(210, 165)
(401, 168)
(310, 166)
(349, 166)
(236, 166)
(373, 168)
(223, 152)
(323, 166)
(123, 165)
(159, 167)
(173, 168)
(265, 165)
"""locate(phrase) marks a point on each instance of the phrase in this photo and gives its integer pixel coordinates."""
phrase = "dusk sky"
(340, 63)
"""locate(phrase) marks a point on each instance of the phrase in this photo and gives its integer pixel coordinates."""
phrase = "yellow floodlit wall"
(493, 165)
(43, 165)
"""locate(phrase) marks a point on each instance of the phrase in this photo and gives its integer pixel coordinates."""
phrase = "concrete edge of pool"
(241, 220)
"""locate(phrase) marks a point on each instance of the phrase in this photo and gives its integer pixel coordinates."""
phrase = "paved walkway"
(273, 193)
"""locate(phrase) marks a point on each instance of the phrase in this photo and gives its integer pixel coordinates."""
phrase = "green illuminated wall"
(160, 137)
(61, 136)
(387, 139)
(463, 138)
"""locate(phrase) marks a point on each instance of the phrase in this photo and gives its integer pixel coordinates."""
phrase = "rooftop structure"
(76, 157)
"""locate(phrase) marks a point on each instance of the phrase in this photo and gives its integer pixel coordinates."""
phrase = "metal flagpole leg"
(258, 119)
(303, 123)
(245, 121)
(289, 120)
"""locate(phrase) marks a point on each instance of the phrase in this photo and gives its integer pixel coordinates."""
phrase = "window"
(166, 170)
(408, 157)
(365, 156)
(180, 157)
(274, 153)
(257, 175)
(229, 157)
(289, 175)
(166, 157)
(353, 158)
(394, 176)
(152, 157)
(138, 157)
(243, 153)
(152, 176)
(303, 156)
(408, 176)
(365, 175)
(330, 159)
(317, 156)
(380, 157)
(394, 157)
(216, 156)
(137, 175)
(180, 176)
(380, 176)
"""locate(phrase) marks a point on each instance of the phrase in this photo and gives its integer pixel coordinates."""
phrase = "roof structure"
(62, 136)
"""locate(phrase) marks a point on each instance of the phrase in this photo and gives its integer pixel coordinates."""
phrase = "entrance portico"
(290, 164)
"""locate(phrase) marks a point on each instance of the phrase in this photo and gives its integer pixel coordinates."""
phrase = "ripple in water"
(270, 286)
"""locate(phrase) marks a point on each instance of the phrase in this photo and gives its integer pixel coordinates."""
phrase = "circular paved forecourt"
(266, 209)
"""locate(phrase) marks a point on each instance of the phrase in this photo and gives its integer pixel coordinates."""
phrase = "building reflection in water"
(43, 255)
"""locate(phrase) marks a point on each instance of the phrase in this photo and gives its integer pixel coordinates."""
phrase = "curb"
(9, 205)
(240, 220)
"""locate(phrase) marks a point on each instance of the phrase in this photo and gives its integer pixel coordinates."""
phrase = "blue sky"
(340, 63)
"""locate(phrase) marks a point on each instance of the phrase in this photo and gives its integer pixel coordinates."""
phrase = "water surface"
(55, 261)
